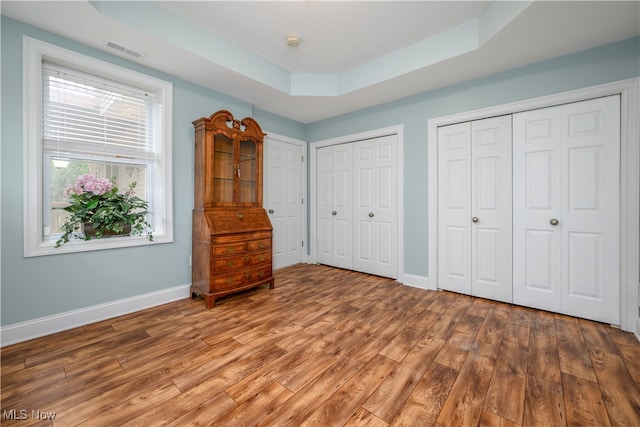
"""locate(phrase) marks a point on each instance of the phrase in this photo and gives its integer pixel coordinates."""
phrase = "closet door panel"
(343, 206)
(539, 262)
(567, 209)
(591, 211)
(454, 208)
(324, 208)
(491, 189)
(385, 219)
(537, 198)
(375, 206)
(342, 250)
(334, 210)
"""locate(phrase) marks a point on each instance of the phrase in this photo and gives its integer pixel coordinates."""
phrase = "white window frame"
(34, 52)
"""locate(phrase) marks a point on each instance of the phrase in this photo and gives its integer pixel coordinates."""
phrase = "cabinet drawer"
(222, 264)
(228, 263)
(237, 280)
(261, 273)
(230, 249)
(257, 245)
(257, 258)
(230, 281)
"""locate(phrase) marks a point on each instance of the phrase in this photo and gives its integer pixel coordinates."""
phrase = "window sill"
(77, 245)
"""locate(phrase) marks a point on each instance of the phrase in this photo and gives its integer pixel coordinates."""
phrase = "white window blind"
(86, 114)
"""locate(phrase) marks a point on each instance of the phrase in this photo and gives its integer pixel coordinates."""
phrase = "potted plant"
(98, 209)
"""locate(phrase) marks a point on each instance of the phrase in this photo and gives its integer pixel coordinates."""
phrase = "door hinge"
(303, 243)
(302, 159)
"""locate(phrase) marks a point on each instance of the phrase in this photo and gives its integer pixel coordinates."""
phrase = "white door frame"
(629, 182)
(313, 148)
(303, 145)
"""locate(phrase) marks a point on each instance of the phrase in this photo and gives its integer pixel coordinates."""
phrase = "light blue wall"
(605, 64)
(272, 123)
(36, 287)
(41, 286)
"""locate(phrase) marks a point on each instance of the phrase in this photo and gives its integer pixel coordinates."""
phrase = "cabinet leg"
(210, 301)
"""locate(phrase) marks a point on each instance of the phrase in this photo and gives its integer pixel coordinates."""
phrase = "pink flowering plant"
(97, 202)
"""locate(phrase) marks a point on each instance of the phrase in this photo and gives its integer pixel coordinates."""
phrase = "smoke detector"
(293, 40)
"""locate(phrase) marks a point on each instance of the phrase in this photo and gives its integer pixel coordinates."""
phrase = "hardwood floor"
(333, 348)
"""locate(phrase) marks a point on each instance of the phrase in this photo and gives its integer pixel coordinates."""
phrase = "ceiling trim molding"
(198, 40)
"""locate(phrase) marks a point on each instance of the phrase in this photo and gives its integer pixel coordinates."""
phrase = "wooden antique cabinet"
(231, 234)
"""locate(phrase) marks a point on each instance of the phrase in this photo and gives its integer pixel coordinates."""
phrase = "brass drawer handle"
(230, 280)
(261, 258)
(231, 249)
(261, 245)
(239, 215)
(247, 258)
(230, 263)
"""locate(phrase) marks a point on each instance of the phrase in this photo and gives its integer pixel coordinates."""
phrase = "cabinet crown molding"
(224, 122)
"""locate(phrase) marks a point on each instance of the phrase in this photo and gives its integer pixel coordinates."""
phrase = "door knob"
(270, 211)
(554, 221)
(334, 213)
(475, 219)
(370, 214)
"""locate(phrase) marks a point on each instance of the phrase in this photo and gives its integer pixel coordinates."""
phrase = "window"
(82, 116)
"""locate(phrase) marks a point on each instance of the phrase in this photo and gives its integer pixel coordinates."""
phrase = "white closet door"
(567, 209)
(334, 205)
(284, 200)
(491, 203)
(474, 208)
(454, 208)
(537, 198)
(375, 205)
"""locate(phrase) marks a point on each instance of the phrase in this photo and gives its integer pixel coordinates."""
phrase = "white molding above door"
(629, 185)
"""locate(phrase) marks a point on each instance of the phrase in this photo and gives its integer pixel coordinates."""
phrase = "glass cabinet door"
(247, 172)
(223, 169)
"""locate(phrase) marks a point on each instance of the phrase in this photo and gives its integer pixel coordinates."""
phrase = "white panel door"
(284, 202)
(334, 205)
(567, 205)
(491, 203)
(375, 195)
(454, 208)
(537, 198)
(474, 208)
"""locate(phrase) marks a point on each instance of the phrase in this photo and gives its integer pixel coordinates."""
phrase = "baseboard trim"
(421, 282)
(23, 331)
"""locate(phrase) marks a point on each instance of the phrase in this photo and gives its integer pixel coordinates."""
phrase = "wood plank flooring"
(327, 347)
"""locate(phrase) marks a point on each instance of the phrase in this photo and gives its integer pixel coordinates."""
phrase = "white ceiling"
(352, 54)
